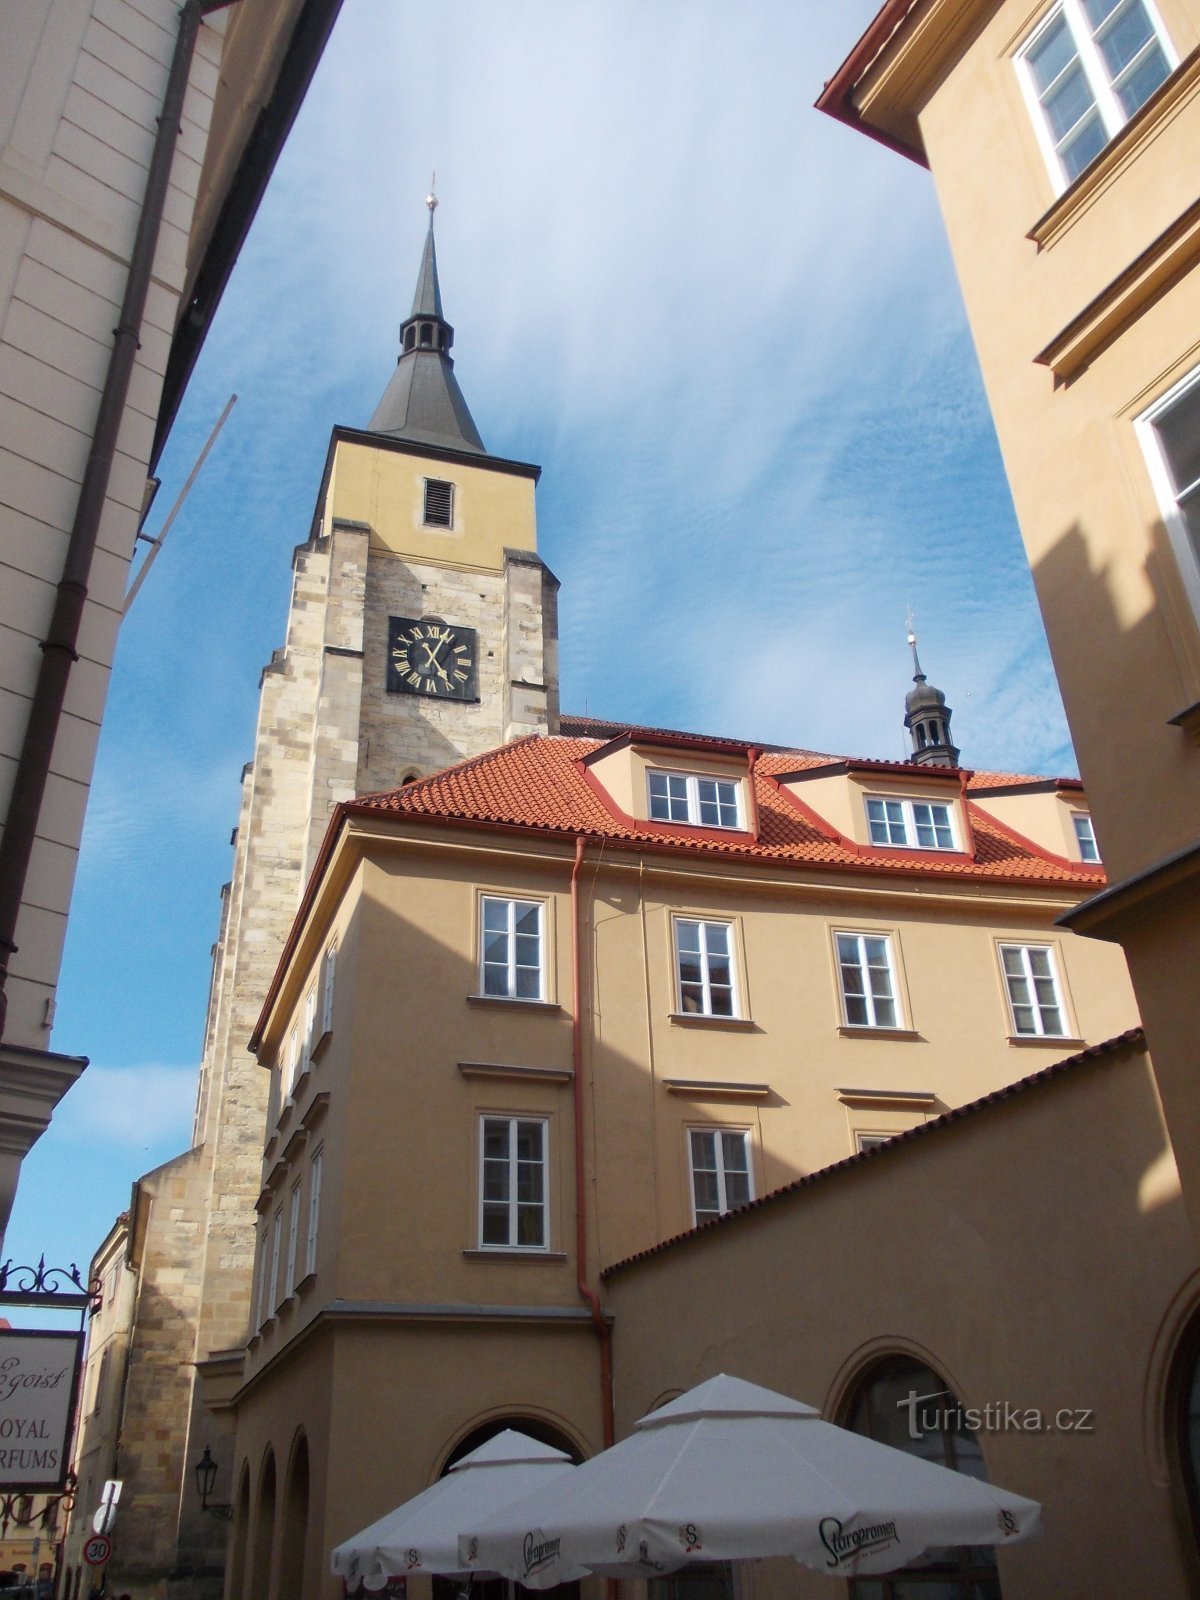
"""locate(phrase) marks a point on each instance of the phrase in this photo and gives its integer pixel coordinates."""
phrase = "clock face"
(429, 656)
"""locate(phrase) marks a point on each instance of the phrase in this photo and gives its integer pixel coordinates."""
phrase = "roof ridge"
(1132, 1038)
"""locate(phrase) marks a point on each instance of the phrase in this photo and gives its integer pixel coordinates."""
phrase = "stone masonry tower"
(422, 630)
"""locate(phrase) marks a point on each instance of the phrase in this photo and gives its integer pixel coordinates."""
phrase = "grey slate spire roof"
(423, 403)
(927, 718)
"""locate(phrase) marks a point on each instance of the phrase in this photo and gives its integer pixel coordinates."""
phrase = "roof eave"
(836, 100)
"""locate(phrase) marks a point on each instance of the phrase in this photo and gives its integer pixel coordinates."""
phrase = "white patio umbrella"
(422, 1534)
(730, 1472)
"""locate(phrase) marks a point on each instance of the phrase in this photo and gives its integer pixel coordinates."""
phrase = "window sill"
(850, 1031)
(322, 1044)
(1118, 153)
(514, 1254)
(489, 1069)
(700, 1019)
(305, 1285)
(516, 1002)
(1058, 1040)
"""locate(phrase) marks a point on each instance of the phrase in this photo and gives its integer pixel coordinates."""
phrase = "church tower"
(927, 718)
(422, 630)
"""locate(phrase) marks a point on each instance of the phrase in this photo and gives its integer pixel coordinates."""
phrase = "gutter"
(58, 647)
(837, 97)
(587, 1293)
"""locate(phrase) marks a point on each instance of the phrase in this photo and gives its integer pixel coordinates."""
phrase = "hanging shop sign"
(39, 1372)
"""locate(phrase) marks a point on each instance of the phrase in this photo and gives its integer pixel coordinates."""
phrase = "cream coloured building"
(544, 1007)
(1061, 136)
(136, 137)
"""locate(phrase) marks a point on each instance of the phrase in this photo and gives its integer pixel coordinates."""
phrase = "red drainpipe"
(603, 1331)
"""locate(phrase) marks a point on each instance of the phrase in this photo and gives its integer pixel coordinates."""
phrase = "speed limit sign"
(97, 1550)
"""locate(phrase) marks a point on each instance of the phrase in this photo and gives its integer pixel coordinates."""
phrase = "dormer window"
(910, 824)
(439, 503)
(688, 797)
(1085, 836)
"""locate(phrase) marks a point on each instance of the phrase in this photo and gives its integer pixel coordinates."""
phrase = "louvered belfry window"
(439, 503)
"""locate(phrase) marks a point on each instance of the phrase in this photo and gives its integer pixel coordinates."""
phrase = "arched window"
(263, 1534)
(902, 1403)
(295, 1523)
(1183, 1421)
(497, 1588)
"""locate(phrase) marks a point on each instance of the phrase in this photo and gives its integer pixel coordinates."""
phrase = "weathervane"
(911, 623)
(431, 199)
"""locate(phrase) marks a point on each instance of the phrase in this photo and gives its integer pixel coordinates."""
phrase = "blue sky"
(729, 331)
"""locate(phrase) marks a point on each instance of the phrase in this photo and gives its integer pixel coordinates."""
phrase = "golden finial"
(431, 198)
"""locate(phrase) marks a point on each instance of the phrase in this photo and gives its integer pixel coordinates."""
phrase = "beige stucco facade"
(1084, 298)
(387, 1275)
(981, 1250)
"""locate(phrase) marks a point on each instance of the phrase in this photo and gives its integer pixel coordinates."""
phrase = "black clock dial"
(429, 656)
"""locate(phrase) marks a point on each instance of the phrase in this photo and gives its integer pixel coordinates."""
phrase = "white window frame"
(910, 824)
(871, 1001)
(511, 967)
(1187, 555)
(293, 1237)
(513, 1124)
(719, 1169)
(263, 1268)
(1033, 1004)
(291, 1061)
(706, 959)
(307, 1032)
(1085, 837)
(314, 1211)
(728, 790)
(1112, 113)
(328, 975)
(276, 1247)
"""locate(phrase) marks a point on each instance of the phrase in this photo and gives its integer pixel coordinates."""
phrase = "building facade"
(574, 997)
(1078, 264)
(135, 140)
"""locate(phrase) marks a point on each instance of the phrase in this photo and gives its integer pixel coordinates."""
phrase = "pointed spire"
(423, 402)
(927, 716)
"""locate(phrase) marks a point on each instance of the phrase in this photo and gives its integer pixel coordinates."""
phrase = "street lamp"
(206, 1476)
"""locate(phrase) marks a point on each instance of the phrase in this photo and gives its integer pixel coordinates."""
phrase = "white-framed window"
(911, 824)
(1085, 69)
(868, 981)
(291, 1061)
(1034, 1000)
(328, 972)
(439, 503)
(689, 797)
(870, 1141)
(512, 1183)
(314, 1211)
(512, 945)
(263, 1271)
(1170, 436)
(293, 1237)
(307, 1035)
(276, 1246)
(1085, 836)
(721, 1175)
(704, 968)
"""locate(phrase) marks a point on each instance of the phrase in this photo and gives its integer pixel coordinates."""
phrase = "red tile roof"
(541, 783)
(1133, 1039)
